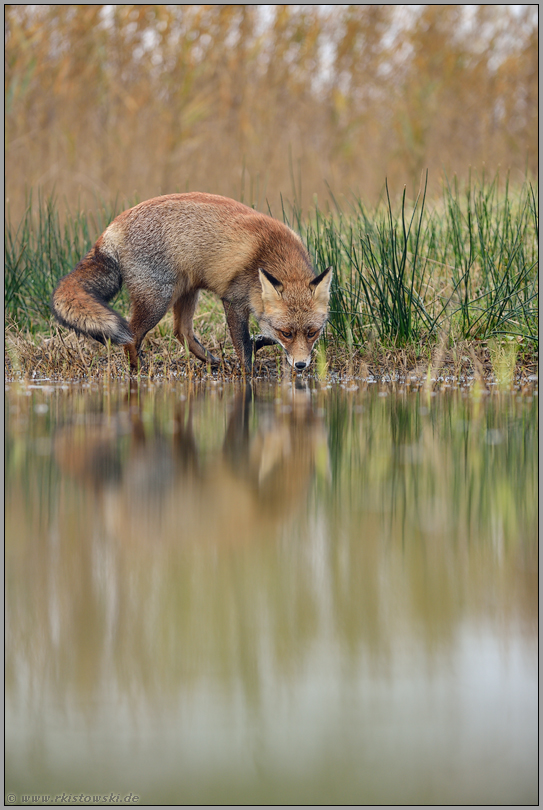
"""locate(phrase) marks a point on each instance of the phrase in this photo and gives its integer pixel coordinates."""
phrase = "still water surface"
(274, 595)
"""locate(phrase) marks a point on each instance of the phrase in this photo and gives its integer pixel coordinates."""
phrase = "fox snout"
(298, 362)
(299, 348)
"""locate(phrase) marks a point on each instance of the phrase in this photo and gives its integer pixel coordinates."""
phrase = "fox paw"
(262, 340)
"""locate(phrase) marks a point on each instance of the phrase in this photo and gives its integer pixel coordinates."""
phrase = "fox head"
(294, 313)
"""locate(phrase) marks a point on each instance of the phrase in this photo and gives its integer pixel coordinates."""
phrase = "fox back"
(167, 249)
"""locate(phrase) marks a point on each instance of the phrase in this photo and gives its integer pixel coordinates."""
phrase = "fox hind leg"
(143, 319)
(183, 314)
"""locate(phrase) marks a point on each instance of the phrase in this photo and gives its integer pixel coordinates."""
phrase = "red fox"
(167, 249)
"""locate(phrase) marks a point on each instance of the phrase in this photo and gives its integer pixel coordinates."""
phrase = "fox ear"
(320, 286)
(271, 287)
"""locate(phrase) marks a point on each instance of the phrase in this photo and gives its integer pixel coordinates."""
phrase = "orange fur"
(167, 249)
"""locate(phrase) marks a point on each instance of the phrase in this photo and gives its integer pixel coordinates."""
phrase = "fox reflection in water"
(166, 489)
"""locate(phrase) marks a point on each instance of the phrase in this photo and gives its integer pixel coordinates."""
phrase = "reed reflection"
(304, 566)
(244, 527)
(165, 544)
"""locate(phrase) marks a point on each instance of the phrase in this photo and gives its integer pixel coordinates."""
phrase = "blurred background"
(255, 101)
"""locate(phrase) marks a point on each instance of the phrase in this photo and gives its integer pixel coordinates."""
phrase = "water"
(313, 595)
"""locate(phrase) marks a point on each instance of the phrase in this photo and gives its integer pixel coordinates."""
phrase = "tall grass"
(467, 269)
(464, 268)
(42, 248)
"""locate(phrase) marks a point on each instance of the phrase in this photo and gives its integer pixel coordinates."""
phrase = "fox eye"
(286, 334)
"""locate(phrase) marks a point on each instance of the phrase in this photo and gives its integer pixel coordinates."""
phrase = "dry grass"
(64, 356)
(106, 102)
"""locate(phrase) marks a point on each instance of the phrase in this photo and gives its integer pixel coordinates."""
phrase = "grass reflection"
(166, 535)
(262, 542)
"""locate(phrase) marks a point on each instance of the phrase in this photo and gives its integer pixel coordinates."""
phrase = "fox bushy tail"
(80, 300)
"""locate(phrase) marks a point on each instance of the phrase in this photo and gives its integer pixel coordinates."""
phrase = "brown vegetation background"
(254, 101)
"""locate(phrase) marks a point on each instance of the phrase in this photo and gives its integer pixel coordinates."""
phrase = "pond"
(279, 594)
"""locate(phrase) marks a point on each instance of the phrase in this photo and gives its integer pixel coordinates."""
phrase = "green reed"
(464, 267)
(492, 250)
(42, 248)
(467, 269)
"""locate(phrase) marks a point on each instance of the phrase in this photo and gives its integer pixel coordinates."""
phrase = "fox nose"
(300, 365)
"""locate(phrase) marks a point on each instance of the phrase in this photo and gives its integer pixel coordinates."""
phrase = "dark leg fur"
(239, 332)
(261, 340)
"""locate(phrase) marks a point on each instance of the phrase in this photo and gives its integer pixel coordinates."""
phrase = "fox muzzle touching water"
(167, 249)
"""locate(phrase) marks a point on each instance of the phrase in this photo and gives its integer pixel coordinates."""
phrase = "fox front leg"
(262, 340)
(238, 324)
